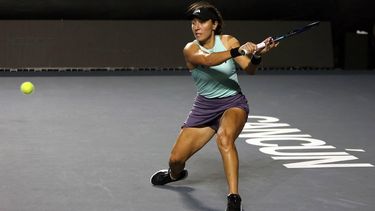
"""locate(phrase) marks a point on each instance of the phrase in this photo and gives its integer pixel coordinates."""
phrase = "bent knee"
(175, 159)
(225, 141)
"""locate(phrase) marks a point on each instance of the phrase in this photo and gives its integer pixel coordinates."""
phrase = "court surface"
(91, 144)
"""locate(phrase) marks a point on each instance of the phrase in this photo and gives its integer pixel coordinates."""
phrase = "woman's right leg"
(188, 142)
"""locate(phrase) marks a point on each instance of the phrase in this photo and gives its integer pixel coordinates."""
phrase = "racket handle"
(259, 46)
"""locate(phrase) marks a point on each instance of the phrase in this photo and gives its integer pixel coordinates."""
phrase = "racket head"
(296, 31)
(307, 27)
(313, 24)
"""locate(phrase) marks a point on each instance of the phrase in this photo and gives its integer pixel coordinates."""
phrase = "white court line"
(355, 150)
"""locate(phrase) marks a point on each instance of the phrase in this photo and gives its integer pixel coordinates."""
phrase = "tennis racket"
(289, 34)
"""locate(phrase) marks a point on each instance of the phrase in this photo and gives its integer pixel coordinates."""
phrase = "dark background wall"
(115, 32)
(351, 10)
(144, 43)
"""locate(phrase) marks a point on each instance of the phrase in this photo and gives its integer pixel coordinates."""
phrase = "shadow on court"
(188, 199)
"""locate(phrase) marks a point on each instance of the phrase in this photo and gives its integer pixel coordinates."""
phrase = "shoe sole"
(240, 209)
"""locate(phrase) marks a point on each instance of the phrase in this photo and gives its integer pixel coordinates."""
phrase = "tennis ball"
(27, 87)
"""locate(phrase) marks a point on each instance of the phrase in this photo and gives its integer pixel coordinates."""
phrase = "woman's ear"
(215, 25)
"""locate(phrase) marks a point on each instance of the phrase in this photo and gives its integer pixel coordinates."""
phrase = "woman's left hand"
(269, 45)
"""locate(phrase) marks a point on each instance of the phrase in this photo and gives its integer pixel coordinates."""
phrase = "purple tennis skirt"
(207, 112)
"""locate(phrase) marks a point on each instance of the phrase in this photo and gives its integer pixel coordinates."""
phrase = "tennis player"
(220, 107)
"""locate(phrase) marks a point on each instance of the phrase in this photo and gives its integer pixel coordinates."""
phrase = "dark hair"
(204, 4)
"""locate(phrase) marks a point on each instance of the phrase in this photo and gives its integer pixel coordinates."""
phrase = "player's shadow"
(188, 199)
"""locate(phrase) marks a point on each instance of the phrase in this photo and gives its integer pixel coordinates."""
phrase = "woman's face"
(202, 30)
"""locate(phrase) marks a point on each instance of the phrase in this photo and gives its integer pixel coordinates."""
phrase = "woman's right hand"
(269, 44)
(249, 48)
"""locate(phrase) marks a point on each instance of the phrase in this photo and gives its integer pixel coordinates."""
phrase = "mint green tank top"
(216, 81)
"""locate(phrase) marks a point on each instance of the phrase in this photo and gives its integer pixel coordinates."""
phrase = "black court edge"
(138, 71)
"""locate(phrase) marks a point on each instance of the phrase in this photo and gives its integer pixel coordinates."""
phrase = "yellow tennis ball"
(27, 87)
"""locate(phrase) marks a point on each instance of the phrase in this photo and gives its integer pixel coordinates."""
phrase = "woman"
(220, 107)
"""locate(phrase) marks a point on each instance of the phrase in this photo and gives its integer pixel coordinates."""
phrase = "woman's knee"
(225, 140)
(176, 160)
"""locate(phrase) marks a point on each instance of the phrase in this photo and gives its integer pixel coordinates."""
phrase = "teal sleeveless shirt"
(216, 81)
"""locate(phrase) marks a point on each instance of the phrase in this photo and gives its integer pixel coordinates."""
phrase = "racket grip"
(243, 52)
(259, 46)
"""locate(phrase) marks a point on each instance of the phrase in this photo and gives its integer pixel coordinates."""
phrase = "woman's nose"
(196, 27)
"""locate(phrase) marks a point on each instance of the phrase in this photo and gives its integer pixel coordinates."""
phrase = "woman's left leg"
(231, 125)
